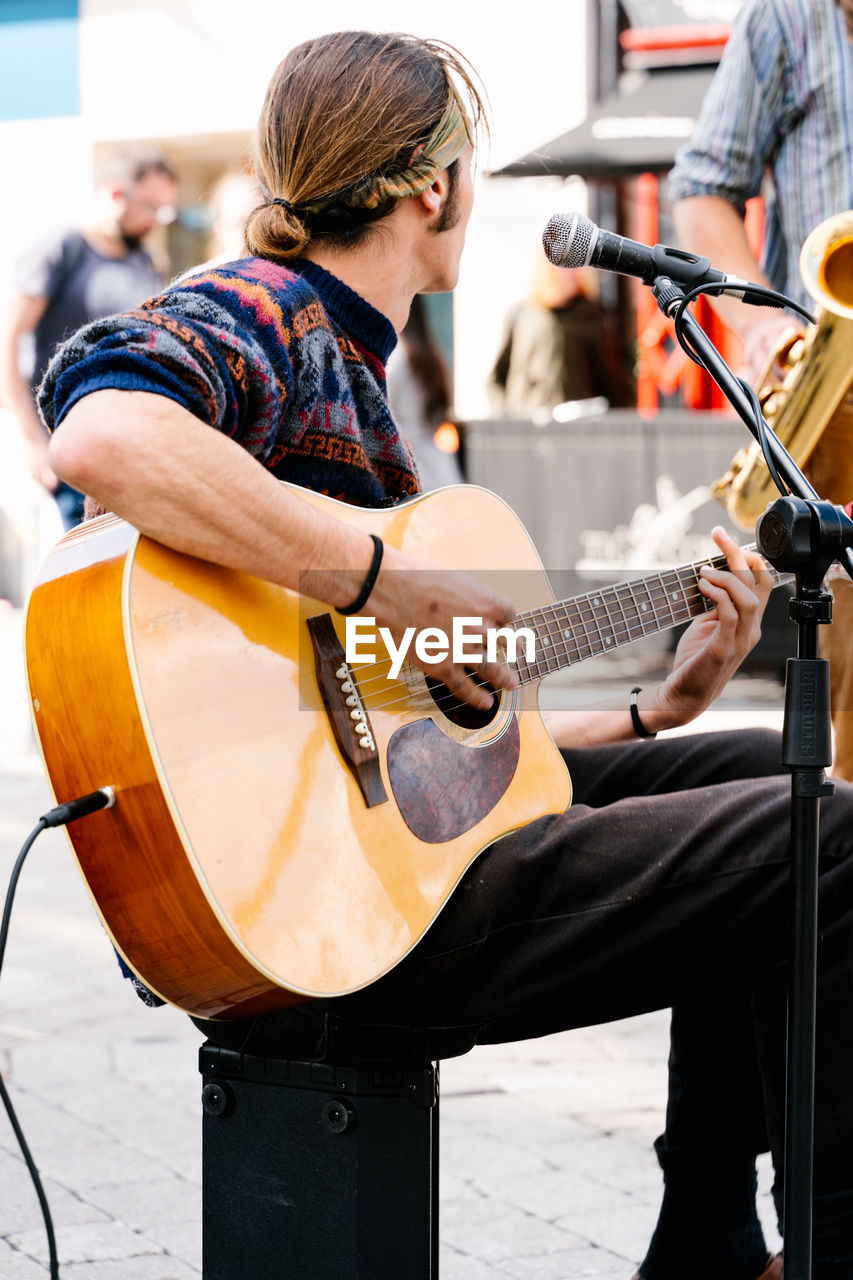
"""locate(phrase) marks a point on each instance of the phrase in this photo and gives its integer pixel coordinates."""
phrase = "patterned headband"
(448, 140)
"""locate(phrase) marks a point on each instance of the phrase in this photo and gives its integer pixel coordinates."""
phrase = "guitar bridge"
(345, 709)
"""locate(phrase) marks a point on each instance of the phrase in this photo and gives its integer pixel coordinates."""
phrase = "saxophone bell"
(808, 403)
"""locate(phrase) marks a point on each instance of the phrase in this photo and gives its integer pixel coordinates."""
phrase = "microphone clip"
(685, 268)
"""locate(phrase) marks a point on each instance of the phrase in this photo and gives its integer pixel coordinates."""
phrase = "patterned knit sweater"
(287, 361)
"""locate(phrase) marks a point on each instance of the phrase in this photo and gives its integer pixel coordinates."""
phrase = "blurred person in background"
(554, 346)
(780, 107)
(419, 395)
(232, 200)
(74, 275)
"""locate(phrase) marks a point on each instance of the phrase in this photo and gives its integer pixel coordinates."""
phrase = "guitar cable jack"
(71, 810)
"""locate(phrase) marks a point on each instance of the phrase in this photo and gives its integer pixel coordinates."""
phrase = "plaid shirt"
(782, 100)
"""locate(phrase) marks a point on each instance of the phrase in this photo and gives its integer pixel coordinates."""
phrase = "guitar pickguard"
(444, 788)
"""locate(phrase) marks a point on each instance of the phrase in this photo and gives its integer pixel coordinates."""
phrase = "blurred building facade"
(81, 78)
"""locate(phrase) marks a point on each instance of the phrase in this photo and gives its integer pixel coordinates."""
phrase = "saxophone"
(809, 406)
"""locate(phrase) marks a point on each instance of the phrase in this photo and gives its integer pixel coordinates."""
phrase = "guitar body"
(246, 865)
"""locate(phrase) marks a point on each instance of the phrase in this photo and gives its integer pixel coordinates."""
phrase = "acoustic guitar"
(288, 824)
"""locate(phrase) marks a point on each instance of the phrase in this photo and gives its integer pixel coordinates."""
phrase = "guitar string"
(420, 698)
(688, 598)
(599, 598)
(620, 631)
(623, 631)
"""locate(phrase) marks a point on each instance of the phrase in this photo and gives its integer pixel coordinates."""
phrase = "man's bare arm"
(20, 318)
(710, 226)
(190, 487)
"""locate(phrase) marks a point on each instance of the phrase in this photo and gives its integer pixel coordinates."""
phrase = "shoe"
(773, 1270)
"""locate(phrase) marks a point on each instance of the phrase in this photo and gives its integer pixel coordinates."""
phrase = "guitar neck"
(570, 631)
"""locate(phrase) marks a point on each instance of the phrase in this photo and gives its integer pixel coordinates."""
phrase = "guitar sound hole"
(460, 713)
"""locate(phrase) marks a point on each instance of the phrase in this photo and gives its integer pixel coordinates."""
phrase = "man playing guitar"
(664, 884)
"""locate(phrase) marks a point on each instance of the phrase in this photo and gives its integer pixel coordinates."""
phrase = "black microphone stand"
(803, 535)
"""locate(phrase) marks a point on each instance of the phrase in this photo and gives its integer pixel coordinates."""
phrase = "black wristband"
(370, 580)
(639, 728)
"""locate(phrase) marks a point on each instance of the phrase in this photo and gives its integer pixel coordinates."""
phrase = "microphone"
(571, 240)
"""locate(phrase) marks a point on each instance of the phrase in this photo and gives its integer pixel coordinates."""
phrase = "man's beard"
(448, 216)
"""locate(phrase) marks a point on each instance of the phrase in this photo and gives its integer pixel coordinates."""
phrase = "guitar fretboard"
(600, 621)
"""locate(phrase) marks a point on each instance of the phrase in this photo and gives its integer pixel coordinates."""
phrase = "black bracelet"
(369, 582)
(639, 728)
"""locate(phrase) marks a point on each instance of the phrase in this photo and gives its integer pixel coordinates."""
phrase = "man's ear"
(435, 195)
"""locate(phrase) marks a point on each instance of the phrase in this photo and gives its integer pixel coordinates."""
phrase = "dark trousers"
(71, 505)
(665, 884)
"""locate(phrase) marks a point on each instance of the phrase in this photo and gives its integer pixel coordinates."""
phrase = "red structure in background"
(662, 366)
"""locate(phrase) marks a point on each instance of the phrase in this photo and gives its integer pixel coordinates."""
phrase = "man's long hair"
(344, 111)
